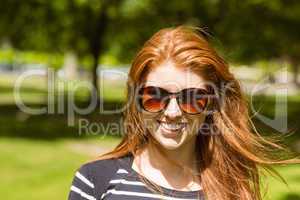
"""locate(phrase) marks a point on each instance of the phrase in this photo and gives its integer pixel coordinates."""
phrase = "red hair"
(229, 162)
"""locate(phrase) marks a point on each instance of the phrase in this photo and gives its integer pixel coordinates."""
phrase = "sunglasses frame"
(169, 95)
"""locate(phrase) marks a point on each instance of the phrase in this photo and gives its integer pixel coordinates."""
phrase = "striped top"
(124, 184)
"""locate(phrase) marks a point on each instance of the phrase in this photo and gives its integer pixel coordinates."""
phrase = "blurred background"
(58, 56)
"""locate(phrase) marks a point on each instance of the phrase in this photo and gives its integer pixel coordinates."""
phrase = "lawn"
(41, 169)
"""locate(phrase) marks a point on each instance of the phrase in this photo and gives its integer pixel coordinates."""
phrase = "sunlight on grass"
(281, 191)
(39, 169)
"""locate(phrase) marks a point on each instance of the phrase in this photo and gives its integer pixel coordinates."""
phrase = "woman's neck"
(152, 163)
(163, 158)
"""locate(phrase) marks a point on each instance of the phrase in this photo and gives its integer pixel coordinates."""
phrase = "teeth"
(172, 126)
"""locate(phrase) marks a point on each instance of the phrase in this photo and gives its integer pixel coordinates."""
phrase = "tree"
(252, 30)
(60, 25)
(259, 30)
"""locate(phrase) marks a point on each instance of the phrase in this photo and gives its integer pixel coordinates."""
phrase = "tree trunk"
(95, 90)
(96, 47)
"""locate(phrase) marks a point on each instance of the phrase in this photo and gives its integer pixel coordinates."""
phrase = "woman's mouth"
(171, 129)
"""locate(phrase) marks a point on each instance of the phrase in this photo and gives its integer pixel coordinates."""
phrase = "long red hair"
(230, 162)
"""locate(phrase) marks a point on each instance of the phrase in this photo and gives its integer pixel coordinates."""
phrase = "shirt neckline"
(178, 193)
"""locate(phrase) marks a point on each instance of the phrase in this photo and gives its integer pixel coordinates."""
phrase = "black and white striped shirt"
(124, 184)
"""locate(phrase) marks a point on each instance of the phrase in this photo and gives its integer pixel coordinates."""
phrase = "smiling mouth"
(172, 127)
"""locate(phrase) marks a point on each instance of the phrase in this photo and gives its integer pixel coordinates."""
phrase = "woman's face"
(172, 127)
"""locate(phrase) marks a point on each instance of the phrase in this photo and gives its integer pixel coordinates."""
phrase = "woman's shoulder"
(104, 164)
(98, 170)
(91, 177)
(97, 165)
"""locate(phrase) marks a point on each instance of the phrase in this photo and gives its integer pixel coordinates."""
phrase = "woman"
(188, 134)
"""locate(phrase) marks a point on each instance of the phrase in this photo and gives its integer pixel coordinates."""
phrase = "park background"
(92, 42)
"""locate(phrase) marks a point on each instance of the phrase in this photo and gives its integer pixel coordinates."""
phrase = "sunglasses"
(190, 100)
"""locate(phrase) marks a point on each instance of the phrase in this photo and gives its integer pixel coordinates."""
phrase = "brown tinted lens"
(152, 99)
(193, 100)
(186, 107)
(153, 105)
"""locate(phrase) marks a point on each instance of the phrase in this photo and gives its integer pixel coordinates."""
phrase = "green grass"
(278, 190)
(40, 169)
(34, 170)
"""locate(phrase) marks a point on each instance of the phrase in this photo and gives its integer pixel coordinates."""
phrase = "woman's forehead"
(172, 78)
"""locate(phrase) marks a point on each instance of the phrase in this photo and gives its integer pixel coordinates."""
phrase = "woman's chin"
(169, 141)
(169, 145)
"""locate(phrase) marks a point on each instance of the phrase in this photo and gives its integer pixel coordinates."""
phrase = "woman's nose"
(173, 110)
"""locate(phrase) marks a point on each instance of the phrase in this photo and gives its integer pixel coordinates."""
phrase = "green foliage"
(252, 30)
(16, 58)
(7, 56)
(114, 30)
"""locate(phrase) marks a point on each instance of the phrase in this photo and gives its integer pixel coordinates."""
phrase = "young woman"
(188, 134)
